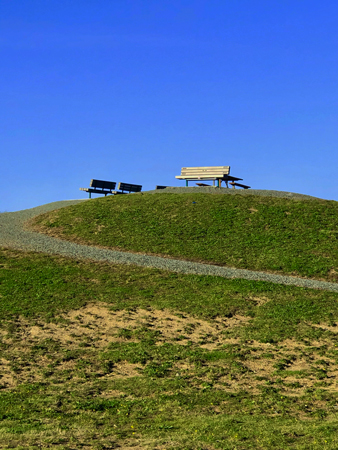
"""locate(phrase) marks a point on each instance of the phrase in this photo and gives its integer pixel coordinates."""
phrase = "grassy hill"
(105, 356)
(259, 233)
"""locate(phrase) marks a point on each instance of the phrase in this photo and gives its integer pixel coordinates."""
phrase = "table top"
(230, 178)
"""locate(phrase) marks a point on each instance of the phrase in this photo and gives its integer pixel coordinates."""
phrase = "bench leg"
(90, 194)
(186, 182)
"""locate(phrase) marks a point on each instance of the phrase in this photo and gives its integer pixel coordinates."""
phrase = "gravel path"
(12, 235)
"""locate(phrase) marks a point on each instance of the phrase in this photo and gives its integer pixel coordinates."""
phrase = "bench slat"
(204, 172)
(214, 168)
(97, 191)
(199, 176)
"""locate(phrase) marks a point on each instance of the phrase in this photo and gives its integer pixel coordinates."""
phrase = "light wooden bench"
(99, 187)
(219, 173)
(233, 184)
(126, 188)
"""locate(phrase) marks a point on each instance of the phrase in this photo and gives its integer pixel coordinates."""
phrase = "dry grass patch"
(34, 351)
(101, 326)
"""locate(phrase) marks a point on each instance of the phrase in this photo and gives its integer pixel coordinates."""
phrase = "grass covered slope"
(106, 356)
(252, 232)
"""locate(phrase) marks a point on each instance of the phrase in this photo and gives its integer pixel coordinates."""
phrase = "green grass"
(251, 232)
(104, 356)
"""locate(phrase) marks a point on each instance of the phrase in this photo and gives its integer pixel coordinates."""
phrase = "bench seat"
(244, 186)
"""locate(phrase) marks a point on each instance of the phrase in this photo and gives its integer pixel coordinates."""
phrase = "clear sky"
(133, 90)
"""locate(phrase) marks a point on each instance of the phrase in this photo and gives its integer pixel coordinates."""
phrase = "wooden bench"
(233, 184)
(99, 187)
(219, 173)
(124, 188)
(161, 187)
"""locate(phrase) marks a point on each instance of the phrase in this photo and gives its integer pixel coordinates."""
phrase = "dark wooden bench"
(126, 188)
(161, 187)
(99, 187)
(233, 184)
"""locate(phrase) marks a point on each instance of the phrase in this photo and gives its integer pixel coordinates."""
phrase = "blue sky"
(133, 90)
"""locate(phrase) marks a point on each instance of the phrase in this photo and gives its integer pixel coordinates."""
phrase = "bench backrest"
(198, 171)
(129, 187)
(102, 184)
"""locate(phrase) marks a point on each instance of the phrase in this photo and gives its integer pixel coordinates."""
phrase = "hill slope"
(105, 356)
(102, 355)
(280, 235)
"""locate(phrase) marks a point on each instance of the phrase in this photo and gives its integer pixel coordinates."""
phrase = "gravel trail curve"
(13, 235)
